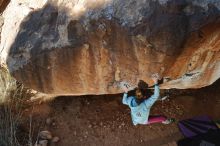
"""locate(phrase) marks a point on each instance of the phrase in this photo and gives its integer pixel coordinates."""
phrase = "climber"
(140, 105)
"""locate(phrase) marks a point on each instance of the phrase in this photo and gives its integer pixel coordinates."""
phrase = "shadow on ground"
(103, 120)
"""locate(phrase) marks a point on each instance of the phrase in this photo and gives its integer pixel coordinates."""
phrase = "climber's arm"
(149, 102)
(126, 100)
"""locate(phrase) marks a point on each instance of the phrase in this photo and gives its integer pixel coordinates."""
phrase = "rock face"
(3, 4)
(87, 47)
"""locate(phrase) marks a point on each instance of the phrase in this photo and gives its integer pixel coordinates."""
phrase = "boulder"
(83, 47)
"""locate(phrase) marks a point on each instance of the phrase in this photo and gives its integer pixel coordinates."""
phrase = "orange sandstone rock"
(89, 47)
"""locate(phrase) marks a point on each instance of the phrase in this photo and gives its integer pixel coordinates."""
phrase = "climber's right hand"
(155, 77)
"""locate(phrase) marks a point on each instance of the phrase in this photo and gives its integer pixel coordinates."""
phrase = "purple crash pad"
(196, 126)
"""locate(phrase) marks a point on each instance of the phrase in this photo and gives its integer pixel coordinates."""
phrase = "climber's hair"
(139, 93)
(139, 96)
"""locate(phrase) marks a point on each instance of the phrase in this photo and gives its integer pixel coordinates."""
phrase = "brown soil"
(105, 121)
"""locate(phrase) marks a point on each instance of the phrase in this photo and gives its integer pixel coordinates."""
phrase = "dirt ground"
(105, 121)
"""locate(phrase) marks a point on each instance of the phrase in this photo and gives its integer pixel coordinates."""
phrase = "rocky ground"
(104, 120)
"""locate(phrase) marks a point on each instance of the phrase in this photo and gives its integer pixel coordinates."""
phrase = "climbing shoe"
(168, 121)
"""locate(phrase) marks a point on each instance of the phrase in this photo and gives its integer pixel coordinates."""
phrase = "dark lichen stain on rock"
(76, 33)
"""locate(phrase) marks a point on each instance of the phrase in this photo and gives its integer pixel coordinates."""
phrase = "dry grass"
(12, 97)
(9, 125)
(7, 85)
(13, 101)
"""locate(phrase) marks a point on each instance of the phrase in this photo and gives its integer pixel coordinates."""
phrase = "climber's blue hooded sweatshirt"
(140, 113)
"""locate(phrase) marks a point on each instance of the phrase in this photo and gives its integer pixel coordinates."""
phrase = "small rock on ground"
(45, 135)
(48, 121)
(55, 139)
(43, 142)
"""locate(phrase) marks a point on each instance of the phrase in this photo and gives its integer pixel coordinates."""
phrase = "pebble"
(74, 133)
(53, 124)
(45, 135)
(36, 144)
(33, 91)
(43, 142)
(55, 139)
(48, 121)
